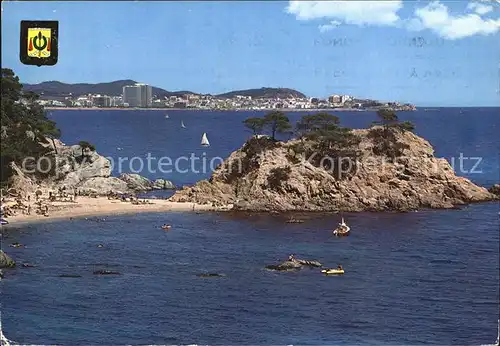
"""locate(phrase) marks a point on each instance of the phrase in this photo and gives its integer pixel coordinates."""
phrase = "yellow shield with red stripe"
(39, 42)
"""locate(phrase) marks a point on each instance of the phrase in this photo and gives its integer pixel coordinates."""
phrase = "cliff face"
(275, 179)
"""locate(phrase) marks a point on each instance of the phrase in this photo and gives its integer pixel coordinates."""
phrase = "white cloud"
(435, 17)
(348, 12)
(479, 8)
(327, 27)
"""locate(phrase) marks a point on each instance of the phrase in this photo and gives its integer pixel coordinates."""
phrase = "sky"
(429, 53)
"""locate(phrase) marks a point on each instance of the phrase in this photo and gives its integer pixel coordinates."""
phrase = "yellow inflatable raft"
(333, 271)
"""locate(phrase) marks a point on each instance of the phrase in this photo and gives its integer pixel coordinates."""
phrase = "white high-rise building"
(146, 94)
(139, 95)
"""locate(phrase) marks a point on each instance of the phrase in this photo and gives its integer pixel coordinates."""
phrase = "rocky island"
(329, 168)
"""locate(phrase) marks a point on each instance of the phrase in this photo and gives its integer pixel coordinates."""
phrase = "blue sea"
(427, 277)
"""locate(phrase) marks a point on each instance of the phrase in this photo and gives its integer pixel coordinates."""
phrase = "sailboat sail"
(204, 140)
(182, 124)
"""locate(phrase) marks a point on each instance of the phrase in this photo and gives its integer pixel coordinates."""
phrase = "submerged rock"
(285, 266)
(106, 272)
(70, 276)
(6, 261)
(293, 264)
(309, 263)
(211, 275)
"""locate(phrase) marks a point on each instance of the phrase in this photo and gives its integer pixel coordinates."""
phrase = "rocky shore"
(87, 173)
(264, 176)
(6, 261)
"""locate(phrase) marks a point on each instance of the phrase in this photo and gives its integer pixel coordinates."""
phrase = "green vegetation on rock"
(25, 127)
(384, 138)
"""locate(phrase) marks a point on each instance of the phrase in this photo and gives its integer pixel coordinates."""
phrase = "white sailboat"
(167, 116)
(342, 229)
(204, 140)
(182, 124)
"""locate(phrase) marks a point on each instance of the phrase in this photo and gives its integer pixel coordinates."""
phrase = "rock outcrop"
(495, 189)
(293, 264)
(86, 172)
(6, 261)
(211, 275)
(277, 179)
(162, 184)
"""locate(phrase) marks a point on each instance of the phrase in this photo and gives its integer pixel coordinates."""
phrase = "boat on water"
(342, 229)
(4, 222)
(334, 271)
(167, 116)
(204, 140)
(182, 124)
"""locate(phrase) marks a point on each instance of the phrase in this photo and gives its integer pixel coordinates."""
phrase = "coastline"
(102, 206)
(214, 110)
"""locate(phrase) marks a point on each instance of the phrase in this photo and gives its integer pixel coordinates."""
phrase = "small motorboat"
(4, 222)
(335, 271)
(166, 227)
(342, 229)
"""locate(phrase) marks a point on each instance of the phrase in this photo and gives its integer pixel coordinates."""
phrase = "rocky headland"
(390, 170)
(86, 172)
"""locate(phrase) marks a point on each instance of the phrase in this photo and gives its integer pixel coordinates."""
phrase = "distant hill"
(55, 89)
(59, 89)
(264, 93)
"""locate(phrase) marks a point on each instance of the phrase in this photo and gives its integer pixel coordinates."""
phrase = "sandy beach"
(102, 206)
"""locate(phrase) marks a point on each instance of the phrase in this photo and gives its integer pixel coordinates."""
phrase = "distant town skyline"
(424, 53)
